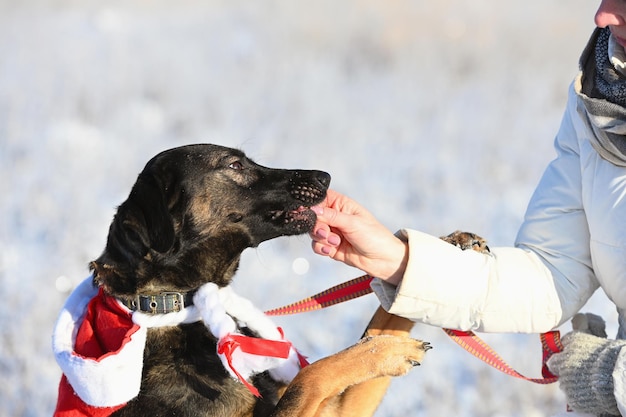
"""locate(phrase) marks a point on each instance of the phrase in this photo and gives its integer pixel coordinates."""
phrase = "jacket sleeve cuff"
(387, 293)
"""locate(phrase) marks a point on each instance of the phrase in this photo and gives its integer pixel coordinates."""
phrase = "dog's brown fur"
(467, 240)
(355, 387)
(189, 216)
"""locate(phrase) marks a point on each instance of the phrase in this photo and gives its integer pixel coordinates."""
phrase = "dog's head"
(191, 213)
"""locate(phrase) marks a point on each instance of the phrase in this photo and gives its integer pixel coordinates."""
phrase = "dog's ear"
(159, 222)
(145, 215)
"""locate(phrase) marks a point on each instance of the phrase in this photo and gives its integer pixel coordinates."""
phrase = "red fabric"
(255, 346)
(106, 328)
(252, 345)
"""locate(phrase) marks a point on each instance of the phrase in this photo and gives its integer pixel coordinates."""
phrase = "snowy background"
(437, 115)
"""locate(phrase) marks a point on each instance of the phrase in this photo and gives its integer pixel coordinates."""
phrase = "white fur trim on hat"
(112, 380)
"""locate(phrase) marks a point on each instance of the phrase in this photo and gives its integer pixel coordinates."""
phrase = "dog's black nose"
(323, 178)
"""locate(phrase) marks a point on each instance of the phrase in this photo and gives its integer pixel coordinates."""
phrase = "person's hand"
(348, 233)
(585, 367)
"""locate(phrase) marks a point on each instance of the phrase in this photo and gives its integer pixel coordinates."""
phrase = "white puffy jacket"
(572, 241)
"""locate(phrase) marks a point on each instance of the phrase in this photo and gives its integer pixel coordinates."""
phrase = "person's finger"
(320, 231)
(323, 249)
(332, 217)
(322, 234)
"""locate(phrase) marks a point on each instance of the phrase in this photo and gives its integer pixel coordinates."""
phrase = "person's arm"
(428, 280)
(533, 287)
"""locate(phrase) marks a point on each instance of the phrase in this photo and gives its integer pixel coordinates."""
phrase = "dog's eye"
(236, 165)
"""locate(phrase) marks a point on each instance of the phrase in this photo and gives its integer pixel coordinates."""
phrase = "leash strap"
(357, 287)
(469, 341)
(349, 290)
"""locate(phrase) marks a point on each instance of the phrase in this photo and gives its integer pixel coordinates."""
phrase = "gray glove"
(585, 371)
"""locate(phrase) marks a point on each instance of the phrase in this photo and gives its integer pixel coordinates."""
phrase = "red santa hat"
(99, 344)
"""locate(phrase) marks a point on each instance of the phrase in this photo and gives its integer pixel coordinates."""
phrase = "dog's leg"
(363, 399)
(364, 369)
(371, 357)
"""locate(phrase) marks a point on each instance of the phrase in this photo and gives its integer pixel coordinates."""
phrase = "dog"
(170, 344)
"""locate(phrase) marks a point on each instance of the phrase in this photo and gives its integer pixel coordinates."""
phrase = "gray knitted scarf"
(610, 84)
(602, 99)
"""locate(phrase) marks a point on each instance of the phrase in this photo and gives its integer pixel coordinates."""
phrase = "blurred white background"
(436, 115)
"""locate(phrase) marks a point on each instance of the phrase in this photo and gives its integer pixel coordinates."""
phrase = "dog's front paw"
(467, 240)
(392, 355)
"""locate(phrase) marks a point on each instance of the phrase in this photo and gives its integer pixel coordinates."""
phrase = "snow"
(437, 115)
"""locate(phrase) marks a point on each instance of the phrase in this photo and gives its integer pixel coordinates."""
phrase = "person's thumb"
(332, 217)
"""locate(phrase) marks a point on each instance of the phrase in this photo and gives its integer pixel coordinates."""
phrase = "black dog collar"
(162, 303)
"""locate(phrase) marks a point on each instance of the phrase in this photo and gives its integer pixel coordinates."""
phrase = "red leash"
(357, 287)
(349, 290)
(550, 341)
